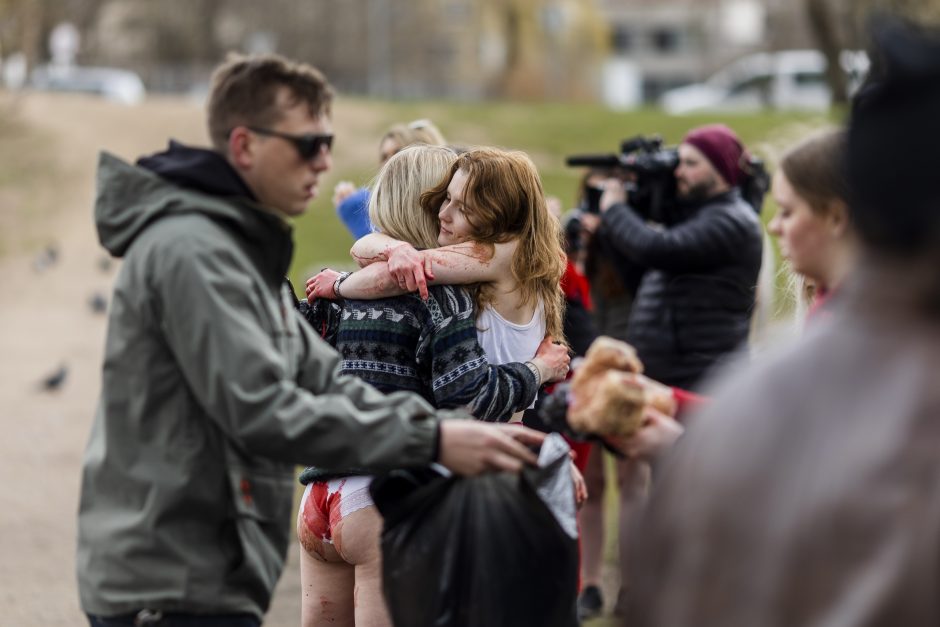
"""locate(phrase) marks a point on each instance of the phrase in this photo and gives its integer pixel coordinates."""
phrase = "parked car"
(114, 84)
(789, 79)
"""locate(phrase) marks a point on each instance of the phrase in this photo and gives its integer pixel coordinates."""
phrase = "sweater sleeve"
(461, 374)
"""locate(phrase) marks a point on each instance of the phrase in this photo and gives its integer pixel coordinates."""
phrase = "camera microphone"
(595, 161)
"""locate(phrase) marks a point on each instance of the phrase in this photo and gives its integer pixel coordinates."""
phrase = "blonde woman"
(428, 346)
(495, 231)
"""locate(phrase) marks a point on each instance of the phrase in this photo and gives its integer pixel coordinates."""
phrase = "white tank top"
(506, 342)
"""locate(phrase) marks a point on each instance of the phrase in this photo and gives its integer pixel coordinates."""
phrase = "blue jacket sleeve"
(354, 212)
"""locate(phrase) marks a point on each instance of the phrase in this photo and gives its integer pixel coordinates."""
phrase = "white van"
(118, 85)
(789, 79)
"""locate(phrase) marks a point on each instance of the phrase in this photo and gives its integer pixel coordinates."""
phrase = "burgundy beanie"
(721, 147)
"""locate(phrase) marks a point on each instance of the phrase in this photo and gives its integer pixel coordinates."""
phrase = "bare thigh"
(357, 540)
(326, 582)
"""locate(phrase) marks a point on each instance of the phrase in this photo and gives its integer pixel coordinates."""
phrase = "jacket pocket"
(266, 495)
(262, 500)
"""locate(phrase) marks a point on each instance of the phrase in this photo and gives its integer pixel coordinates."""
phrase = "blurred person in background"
(816, 237)
(212, 388)
(600, 286)
(697, 275)
(806, 492)
(694, 303)
(352, 204)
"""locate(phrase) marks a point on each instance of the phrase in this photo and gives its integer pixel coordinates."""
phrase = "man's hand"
(553, 360)
(614, 194)
(469, 447)
(342, 191)
(589, 223)
(410, 268)
(657, 433)
(321, 285)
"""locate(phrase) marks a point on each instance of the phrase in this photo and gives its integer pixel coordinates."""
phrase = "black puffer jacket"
(694, 303)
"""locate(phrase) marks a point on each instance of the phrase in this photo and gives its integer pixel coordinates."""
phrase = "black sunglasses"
(308, 146)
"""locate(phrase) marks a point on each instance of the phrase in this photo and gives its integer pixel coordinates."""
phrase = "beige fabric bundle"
(610, 393)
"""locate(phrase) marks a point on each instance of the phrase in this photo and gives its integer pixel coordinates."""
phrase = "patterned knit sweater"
(427, 347)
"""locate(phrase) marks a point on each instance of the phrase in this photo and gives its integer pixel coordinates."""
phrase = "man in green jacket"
(213, 387)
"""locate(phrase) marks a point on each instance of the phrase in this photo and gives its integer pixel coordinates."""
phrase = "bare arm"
(373, 248)
(408, 270)
(369, 283)
(458, 264)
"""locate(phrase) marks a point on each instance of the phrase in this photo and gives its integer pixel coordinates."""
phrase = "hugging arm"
(372, 248)
(391, 267)
(369, 283)
(457, 264)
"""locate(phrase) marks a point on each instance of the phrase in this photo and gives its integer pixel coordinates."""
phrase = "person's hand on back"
(411, 268)
(553, 360)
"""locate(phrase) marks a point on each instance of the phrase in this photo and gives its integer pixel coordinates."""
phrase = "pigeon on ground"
(98, 303)
(48, 257)
(55, 380)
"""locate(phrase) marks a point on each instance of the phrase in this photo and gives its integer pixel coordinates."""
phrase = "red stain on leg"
(320, 513)
(326, 610)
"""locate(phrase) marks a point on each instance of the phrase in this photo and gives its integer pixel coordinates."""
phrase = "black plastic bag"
(482, 551)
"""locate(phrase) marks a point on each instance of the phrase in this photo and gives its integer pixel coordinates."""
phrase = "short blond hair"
(394, 203)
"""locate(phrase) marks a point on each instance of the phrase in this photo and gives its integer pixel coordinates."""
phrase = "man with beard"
(693, 306)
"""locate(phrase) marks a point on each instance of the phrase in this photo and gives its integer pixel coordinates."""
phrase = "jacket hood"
(183, 180)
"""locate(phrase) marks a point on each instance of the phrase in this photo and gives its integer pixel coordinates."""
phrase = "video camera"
(650, 177)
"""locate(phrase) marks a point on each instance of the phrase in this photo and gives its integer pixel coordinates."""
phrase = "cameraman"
(694, 303)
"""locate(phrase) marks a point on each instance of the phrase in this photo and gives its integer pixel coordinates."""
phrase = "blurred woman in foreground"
(812, 223)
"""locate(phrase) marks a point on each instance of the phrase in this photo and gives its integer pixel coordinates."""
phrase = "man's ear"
(241, 147)
(838, 218)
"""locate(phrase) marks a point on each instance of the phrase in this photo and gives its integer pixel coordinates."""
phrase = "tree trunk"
(823, 27)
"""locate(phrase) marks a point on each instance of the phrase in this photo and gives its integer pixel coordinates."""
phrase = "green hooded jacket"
(213, 390)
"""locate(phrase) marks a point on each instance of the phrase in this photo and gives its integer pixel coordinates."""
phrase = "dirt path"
(45, 323)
